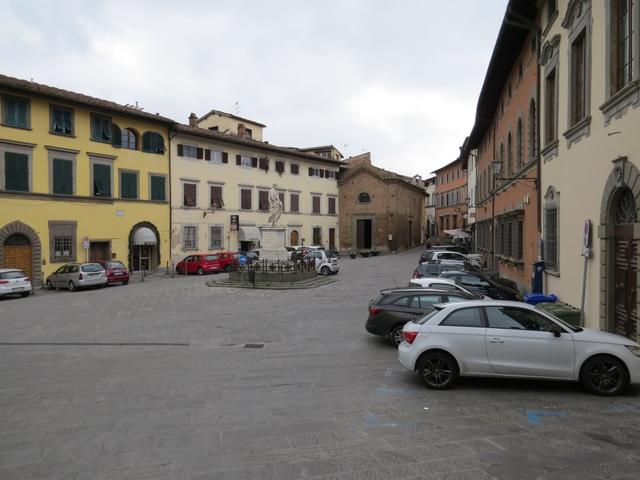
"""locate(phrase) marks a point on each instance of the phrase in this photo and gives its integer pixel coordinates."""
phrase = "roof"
(230, 115)
(447, 165)
(322, 147)
(39, 89)
(248, 142)
(510, 40)
(381, 173)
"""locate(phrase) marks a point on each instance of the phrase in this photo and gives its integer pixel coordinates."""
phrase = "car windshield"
(13, 274)
(115, 265)
(560, 321)
(92, 268)
(426, 318)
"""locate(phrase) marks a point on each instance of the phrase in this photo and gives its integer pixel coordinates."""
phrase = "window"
(512, 318)
(578, 77)
(364, 198)
(16, 171)
(128, 184)
(520, 240)
(550, 117)
(532, 130)
(263, 164)
(295, 169)
(519, 146)
(463, 317)
(551, 10)
(315, 204)
(62, 241)
(403, 301)
(62, 170)
(248, 133)
(189, 151)
(189, 194)
(61, 120)
(428, 301)
(101, 175)
(158, 188)
(473, 281)
(216, 233)
(281, 197)
(332, 206)
(100, 128)
(316, 172)
(621, 44)
(263, 200)
(129, 139)
(15, 111)
(317, 235)
(245, 199)
(279, 166)
(189, 237)
(246, 161)
(550, 240)
(116, 135)
(295, 202)
(509, 165)
(216, 197)
(215, 156)
(152, 142)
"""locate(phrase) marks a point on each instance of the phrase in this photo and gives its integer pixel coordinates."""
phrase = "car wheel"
(200, 271)
(125, 282)
(49, 285)
(604, 375)
(25, 294)
(438, 370)
(395, 335)
(72, 286)
(325, 271)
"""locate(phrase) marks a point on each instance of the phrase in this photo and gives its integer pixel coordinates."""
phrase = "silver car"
(14, 282)
(77, 275)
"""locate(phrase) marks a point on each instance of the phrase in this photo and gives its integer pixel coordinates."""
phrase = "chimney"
(193, 120)
(241, 130)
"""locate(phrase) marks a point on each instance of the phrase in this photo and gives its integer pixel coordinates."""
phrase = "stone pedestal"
(273, 243)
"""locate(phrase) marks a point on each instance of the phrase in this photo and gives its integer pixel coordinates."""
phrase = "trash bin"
(536, 298)
(563, 311)
(536, 277)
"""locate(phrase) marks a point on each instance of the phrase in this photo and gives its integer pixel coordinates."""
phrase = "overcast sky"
(397, 78)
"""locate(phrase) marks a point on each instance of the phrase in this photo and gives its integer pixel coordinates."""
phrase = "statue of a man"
(275, 205)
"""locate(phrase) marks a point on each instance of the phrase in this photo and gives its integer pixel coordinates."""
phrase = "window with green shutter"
(62, 176)
(128, 185)
(158, 188)
(100, 128)
(15, 111)
(16, 171)
(152, 142)
(101, 180)
(61, 120)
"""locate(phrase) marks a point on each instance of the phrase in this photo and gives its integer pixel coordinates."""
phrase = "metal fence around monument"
(278, 266)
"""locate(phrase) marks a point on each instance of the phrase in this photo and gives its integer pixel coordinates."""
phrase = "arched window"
(364, 198)
(509, 156)
(152, 142)
(519, 146)
(116, 135)
(532, 130)
(129, 139)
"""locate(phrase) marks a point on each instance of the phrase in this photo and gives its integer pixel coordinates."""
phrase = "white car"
(445, 255)
(511, 339)
(439, 283)
(325, 264)
(14, 282)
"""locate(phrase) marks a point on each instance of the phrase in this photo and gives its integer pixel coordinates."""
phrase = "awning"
(144, 236)
(457, 233)
(249, 234)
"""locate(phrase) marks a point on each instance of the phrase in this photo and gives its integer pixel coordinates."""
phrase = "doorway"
(18, 253)
(294, 238)
(99, 251)
(363, 234)
(332, 238)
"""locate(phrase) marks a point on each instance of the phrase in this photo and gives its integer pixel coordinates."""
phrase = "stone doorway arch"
(19, 228)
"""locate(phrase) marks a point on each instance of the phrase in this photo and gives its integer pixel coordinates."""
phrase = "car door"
(193, 264)
(462, 333)
(71, 274)
(55, 277)
(403, 309)
(520, 342)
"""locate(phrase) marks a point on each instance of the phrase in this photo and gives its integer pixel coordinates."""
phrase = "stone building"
(379, 209)
(451, 195)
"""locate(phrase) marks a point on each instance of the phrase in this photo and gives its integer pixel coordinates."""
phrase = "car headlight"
(633, 349)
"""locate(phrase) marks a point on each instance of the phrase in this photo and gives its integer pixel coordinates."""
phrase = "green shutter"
(16, 171)
(116, 135)
(16, 110)
(62, 176)
(101, 180)
(157, 188)
(129, 185)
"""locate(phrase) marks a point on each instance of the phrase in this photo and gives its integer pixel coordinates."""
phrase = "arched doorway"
(20, 248)
(295, 238)
(144, 247)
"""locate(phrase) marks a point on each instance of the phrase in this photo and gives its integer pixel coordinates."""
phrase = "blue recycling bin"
(536, 298)
(536, 277)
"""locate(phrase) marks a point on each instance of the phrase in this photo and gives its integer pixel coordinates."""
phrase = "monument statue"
(275, 205)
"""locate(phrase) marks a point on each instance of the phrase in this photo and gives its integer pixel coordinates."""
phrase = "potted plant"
(375, 253)
(353, 254)
(364, 253)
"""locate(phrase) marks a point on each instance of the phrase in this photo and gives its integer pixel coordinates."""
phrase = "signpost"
(586, 253)
(85, 245)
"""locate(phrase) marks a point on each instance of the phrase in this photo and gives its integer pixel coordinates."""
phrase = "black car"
(395, 307)
(479, 283)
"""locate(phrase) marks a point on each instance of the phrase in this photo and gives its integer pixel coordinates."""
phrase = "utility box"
(536, 277)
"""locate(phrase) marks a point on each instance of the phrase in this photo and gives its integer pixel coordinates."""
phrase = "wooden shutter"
(225, 157)
(254, 162)
(207, 154)
(116, 135)
(245, 199)
(189, 194)
(157, 188)
(16, 171)
(101, 180)
(129, 185)
(263, 200)
(238, 160)
(332, 206)
(281, 196)
(199, 153)
(295, 202)
(321, 173)
(310, 172)
(295, 168)
(316, 204)
(62, 176)
(180, 150)
(279, 166)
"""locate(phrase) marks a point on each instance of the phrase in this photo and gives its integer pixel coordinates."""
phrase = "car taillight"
(417, 275)
(81, 276)
(409, 337)
(4, 282)
(374, 311)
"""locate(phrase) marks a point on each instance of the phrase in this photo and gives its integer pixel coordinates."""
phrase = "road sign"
(242, 259)
(85, 243)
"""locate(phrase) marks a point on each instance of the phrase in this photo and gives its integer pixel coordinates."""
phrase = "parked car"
(116, 272)
(77, 275)
(427, 254)
(434, 269)
(395, 307)
(14, 282)
(513, 339)
(431, 255)
(202, 263)
(481, 284)
(442, 284)
(325, 264)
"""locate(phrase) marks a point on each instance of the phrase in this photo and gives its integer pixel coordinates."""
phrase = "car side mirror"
(557, 331)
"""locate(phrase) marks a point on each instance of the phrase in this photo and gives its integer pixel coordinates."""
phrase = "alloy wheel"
(606, 376)
(437, 371)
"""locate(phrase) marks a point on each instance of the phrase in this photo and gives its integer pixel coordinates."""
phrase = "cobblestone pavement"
(152, 381)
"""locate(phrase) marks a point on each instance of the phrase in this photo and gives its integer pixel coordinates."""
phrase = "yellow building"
(80, 179)
(221, 169)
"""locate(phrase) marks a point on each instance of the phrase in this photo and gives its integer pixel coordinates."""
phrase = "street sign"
(242, 259)
(85, 243)
(586, 239)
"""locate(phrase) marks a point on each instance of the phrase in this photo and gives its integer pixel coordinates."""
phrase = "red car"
(116, 272)
(202, 263)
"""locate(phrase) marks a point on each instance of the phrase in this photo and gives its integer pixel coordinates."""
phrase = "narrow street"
(172, 379)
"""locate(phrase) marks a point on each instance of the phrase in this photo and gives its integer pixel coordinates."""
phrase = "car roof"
(415, 290)
(433, 279)
(5, 270)
(488, 303)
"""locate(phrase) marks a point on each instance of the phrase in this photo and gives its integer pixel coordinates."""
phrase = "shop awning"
(457, 233)
(144, 236)
(249, 234)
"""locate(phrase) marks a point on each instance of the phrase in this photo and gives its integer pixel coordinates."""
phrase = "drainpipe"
(170, 136)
